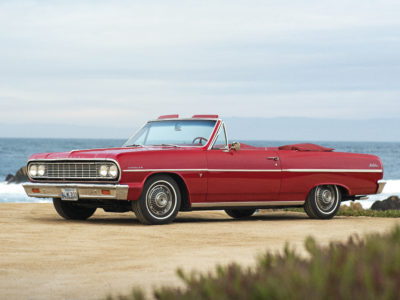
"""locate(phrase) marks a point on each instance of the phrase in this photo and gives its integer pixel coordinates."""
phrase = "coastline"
(44, 256)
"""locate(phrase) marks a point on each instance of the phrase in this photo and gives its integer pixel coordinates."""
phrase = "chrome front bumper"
(381, 185)
(85, 191)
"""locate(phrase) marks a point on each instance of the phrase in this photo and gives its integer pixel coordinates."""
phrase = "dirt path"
(43, 256)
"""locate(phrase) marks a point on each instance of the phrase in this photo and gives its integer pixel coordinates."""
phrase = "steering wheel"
(200, 138)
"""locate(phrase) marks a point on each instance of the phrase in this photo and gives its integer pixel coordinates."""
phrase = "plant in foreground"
(357, 269)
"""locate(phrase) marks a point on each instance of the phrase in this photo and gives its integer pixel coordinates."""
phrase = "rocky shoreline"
(391, 203)
(19, 177)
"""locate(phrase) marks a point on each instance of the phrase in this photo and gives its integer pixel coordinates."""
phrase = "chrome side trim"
(334, 170)
(245, 170)
(245, 204)
(381, 185)
(85, 191)
(165, 170)
(259, 170)
(199, 170)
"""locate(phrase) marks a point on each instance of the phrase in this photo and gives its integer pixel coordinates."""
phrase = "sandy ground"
(45, 257)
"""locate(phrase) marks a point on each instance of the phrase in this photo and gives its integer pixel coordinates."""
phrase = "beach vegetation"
(360, 268)
(354, 209)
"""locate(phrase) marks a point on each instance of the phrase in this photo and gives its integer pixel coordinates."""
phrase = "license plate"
(69, 194)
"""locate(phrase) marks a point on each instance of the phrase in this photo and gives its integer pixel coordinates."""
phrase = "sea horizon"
(15, 151)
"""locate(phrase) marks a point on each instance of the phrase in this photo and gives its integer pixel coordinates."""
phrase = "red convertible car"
(177, 164)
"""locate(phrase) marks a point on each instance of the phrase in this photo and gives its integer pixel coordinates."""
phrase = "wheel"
(160, 201)
(72, 210)
(240, 213)
(323, 202)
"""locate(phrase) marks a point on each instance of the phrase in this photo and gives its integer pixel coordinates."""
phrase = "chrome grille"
(76, 170)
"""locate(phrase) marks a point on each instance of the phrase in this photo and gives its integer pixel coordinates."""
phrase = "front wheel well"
(185, 203)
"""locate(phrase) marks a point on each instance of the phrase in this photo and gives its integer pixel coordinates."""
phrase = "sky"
(120, 63)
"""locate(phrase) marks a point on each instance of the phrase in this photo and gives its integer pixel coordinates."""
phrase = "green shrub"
(356, 210)
(369, 213)
(356, 269)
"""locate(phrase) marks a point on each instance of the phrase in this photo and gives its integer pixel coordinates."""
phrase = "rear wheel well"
(323, 201)
(185, 203)
(343, 191)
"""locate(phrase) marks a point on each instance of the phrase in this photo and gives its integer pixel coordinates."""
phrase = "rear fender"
(344, 188)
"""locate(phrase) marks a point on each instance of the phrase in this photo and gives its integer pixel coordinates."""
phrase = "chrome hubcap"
(326, 198)
(160, 199)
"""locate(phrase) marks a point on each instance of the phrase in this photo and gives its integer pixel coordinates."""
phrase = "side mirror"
(235, 146)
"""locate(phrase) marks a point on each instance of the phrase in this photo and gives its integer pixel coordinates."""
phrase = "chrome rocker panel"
(85, 191)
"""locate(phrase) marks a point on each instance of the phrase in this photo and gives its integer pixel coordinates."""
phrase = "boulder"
(19, 177)
(10, 177)
(353, 206)
(392, 202)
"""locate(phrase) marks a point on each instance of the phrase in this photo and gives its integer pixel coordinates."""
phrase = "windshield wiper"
(134, 145)
(166, 145)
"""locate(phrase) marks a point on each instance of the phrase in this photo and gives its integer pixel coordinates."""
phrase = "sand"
(45, 257)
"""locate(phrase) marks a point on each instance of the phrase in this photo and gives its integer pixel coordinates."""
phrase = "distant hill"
(302, 129)
(65, 131)
(313, 129)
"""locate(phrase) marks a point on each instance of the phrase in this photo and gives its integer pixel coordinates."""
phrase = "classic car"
(175, 164)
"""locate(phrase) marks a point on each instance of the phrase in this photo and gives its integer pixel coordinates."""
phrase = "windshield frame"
(209, 140)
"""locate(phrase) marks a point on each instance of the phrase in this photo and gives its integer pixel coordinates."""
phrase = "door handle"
(275, 158)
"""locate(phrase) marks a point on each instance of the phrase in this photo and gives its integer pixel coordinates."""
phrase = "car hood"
(106, 153)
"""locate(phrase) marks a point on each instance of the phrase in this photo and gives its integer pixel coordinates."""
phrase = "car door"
(248, 174)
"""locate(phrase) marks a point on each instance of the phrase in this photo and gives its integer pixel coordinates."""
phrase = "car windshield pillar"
(221, 140)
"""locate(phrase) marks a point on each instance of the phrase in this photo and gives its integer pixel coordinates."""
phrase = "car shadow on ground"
(130, 220)
(188, 219)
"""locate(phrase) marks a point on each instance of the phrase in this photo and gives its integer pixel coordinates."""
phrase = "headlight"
(41, 170)
(110, 171)
(113, 171)
(33, 170)
(103, 171)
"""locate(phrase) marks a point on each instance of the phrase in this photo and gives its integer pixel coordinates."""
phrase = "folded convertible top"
(306, 147)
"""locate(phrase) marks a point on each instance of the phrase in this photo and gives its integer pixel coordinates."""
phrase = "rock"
(392, 202)
(10, 177)
(356, 206)
(19, 177)
(353, 206)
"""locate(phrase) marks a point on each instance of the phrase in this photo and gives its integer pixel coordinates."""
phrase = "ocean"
(14, 152)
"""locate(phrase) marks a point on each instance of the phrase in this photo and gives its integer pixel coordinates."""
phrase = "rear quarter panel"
(302, 171)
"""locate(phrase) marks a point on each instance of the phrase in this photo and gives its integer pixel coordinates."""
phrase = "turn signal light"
(37, 191)
(106, 192)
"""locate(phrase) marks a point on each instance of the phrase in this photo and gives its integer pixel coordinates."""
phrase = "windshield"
(173, 132)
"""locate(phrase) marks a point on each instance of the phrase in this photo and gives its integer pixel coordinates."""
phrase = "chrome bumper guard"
(85, 191)
(381, 185)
